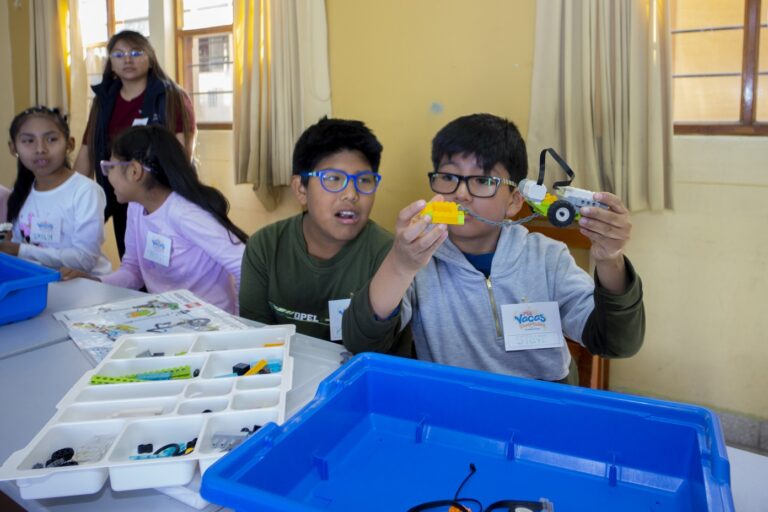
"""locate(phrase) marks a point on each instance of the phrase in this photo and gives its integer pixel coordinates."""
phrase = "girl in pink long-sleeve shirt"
(178, 233)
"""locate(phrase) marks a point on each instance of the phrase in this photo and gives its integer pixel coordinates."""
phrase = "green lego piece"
(179, 372)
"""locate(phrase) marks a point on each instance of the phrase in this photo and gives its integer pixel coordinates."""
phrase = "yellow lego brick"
(444, 212)
(256, 368)
(549, 199)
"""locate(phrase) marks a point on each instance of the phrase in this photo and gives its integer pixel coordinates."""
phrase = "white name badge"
(336, 309)
(158, 249)
(531, 325)
(140, 121)
(45, 231)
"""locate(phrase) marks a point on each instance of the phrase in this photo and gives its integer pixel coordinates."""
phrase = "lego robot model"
(560, 208)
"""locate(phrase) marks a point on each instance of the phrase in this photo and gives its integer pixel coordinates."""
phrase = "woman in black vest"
(134, 90)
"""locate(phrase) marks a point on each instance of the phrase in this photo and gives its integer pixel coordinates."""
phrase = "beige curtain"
(48, 53)
(281, 85)
(7, 108)
(602, 97)
(78, 77)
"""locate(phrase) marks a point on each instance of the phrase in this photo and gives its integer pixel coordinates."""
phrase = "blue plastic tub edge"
(25, 297)
(219, 483)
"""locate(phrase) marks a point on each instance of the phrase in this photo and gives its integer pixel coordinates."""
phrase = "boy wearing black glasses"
(303, 270)
(491, 295)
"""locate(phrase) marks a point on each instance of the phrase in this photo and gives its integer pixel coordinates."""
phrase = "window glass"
(208, 76)
(93, 21)
(132, 15)
(714, 98)
(206, 13)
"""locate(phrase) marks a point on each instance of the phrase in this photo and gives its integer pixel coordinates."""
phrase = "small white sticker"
(336, 309)
(158, 249)
(140, 121)
(531, 325)
(45, 231)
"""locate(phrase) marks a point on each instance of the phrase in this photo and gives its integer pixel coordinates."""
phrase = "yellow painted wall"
(408, 67)
(705, 271)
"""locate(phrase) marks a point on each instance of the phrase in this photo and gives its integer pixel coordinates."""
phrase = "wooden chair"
(593, 370)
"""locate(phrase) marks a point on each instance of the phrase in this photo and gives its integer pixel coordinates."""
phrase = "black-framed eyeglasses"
(335, 180)
(134, 54)
(478, 186)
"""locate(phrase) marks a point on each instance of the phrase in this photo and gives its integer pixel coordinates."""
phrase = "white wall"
(705, 274)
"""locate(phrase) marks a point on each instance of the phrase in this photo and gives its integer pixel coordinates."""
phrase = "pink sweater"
(203, 257)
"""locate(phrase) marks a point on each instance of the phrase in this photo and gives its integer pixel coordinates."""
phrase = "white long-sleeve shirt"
(201, 255)
(64, 227)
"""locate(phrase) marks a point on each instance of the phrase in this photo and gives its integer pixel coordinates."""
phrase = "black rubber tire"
(561, 214)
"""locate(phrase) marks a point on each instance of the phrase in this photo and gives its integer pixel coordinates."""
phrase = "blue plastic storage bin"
(386, 434)
(23, 288)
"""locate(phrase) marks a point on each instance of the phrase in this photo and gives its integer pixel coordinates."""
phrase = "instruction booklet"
(95, 329)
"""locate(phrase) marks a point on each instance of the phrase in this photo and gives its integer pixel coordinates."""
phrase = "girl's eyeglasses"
(335, 180)
(107, 166)
(134, 54)
(478, 186)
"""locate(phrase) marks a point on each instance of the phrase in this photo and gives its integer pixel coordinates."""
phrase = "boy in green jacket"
(303, 270)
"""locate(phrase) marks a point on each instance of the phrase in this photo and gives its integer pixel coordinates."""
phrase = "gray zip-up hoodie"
(455, 312)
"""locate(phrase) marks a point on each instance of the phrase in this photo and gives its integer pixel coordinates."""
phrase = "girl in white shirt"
(57, 214)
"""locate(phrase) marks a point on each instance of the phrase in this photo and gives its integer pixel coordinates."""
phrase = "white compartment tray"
(105, 423)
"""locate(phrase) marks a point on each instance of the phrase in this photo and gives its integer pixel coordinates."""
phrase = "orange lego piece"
(444, 212)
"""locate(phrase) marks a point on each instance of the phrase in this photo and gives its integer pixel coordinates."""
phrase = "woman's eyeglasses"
(478, 186)
(107, 166)
(334, 180)
(119, 54)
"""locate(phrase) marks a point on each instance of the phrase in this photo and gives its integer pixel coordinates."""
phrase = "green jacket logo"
(298, 316)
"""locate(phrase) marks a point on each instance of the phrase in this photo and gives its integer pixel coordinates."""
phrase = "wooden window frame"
(110, 26)
(747, 124)
(184, 57)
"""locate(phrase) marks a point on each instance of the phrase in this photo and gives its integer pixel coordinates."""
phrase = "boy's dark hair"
(491, 139)
(159, 149)
(24, 177)
(329, 136)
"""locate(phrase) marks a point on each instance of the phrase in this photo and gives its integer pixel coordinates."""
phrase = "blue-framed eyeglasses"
(107, 166)
(335, 180)
(134, 54)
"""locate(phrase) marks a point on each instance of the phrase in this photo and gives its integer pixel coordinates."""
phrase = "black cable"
(472, 470)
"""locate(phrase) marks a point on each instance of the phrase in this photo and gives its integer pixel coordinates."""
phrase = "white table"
(39, 364)
(43, 329)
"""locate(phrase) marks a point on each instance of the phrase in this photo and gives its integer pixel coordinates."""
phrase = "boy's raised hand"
(415, 242)
(609, 231)
(416, 238)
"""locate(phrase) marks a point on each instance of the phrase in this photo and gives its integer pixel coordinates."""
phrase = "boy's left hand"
(608, 229)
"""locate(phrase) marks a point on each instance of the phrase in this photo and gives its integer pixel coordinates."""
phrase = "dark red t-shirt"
(125, 112)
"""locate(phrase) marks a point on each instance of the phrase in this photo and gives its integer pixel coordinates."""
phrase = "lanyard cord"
(498, 222)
